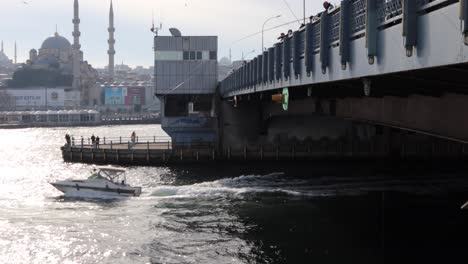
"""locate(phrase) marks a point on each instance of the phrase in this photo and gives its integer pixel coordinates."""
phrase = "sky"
(30, 22)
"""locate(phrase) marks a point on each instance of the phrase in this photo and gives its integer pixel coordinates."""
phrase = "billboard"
(135, 96)
(127, 96)
(38, 97)
(115, 95)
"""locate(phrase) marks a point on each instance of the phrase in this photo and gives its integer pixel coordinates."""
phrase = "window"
(199, 55)
(213, 55)
(192, 55)
(168, 55)
(186, 55)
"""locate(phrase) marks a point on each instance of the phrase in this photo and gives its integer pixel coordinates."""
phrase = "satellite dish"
(175, 32)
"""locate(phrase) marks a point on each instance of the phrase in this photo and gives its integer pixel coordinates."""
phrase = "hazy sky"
(31, 22)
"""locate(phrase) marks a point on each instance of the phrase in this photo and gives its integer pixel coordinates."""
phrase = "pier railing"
(163, 153)
(122, 140)
(138, 143)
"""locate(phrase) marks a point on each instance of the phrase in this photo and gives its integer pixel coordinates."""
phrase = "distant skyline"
(30, 22)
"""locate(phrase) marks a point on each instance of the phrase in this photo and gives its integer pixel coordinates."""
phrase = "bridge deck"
(362, 38)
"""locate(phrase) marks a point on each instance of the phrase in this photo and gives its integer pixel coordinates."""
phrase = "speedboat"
(104, 181)
(465, 206)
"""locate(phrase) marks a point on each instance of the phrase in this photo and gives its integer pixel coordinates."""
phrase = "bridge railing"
(352, 20)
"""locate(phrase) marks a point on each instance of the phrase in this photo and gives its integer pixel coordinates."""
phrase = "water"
(325, 214)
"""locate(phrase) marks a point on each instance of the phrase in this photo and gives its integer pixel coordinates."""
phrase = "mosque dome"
(56, 42)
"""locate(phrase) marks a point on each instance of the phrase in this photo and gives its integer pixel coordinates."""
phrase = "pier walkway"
(164, 152)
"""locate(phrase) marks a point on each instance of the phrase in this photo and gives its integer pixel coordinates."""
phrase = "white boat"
(105, 181)
(465, 206)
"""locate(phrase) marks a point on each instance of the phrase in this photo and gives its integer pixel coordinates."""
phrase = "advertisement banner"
(135, 96)
(41, 97)
(114, 95)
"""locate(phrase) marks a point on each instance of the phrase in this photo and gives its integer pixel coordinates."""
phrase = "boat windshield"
(96, 176)
(109, 174)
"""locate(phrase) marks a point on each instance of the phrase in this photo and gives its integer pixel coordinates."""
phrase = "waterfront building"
(50, 118)
(186, 77)
(57, 64)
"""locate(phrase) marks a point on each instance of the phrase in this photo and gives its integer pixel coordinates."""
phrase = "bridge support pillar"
(239, 125)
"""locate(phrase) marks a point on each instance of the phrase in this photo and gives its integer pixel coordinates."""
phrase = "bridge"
(392, 68)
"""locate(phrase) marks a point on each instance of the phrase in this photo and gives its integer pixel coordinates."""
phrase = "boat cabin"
(113, 174)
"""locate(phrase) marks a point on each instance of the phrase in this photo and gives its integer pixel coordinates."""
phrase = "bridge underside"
(430, 101)
(405, 70)
(401, 109)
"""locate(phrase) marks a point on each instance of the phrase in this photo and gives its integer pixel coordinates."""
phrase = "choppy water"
(223, 215)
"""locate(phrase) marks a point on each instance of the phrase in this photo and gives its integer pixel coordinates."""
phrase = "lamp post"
(243, 57)
(263, 28)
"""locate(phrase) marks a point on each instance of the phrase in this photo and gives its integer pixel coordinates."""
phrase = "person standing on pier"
(67, 138)
(133, 138)
(97, 142)
(93, 140)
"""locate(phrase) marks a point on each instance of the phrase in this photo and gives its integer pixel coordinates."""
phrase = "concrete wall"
(253, 122)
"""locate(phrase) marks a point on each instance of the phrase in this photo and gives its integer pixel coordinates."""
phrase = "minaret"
(2, 48)
(111, 42)
(15, 53)
(76, 47)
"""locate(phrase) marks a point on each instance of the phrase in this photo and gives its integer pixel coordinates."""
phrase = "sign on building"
(115, 95)
(125, 96)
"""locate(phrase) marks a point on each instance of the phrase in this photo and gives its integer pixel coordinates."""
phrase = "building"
(60, 64)
(186, 77)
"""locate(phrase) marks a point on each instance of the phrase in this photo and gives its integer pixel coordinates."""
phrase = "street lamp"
(247, 54)
(263, 28)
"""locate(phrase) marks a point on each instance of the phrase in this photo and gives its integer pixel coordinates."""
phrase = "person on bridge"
(281, 37)
(327, 5)
(97, 142)
(93, 139)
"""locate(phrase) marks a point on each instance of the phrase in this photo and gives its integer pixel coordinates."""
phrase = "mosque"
(5, 62)
(59, 64)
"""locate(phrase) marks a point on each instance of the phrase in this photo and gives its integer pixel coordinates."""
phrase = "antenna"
(154, 29)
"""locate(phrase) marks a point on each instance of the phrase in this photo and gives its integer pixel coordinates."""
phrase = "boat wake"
(271, 183)
(278, 184)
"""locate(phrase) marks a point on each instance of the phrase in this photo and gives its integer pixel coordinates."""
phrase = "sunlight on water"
(199, 218)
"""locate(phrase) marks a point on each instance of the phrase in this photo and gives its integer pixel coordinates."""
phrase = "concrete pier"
(168, 153)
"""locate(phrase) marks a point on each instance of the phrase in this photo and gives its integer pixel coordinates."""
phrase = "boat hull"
(82, 190)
